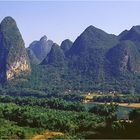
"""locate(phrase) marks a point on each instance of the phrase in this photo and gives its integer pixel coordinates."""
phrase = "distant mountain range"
(103, 60)
(97, 53)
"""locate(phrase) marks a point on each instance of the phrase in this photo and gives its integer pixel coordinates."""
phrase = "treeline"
(26, 92)
(52, 103)
(58, 80)
(118, 99)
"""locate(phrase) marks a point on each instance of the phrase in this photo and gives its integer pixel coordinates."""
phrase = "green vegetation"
(37, 117)
(52, 79)
(53, 103)
(55, 57)
(10, 130)
(26, 121)
(106, 110)
(43, 101)
(51, 97)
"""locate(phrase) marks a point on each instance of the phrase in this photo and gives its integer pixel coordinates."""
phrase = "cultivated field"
(132, 105)
(46, 135)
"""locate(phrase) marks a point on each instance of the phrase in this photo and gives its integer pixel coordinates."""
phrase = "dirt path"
(46, 135)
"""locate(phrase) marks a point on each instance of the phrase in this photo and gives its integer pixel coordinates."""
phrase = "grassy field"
(90, 96)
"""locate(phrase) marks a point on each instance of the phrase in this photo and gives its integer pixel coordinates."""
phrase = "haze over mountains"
(95, 60)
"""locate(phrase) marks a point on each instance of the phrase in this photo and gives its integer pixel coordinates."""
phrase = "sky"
(59, 20)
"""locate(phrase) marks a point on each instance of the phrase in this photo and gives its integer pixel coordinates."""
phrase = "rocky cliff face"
(13, 56)
(20, 65)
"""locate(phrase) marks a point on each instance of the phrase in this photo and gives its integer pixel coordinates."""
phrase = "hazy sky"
(67, 19)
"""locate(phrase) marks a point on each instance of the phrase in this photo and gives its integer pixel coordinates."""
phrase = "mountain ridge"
(101, 57)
